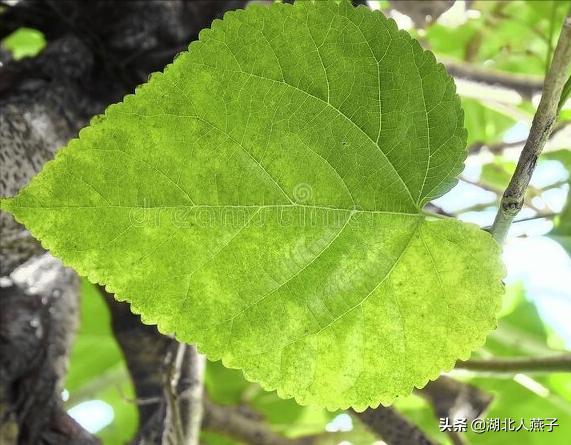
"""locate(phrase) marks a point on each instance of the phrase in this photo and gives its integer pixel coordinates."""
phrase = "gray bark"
(97, 51)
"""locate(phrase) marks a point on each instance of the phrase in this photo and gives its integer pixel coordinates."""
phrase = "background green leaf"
(97, 369)
(24, 42)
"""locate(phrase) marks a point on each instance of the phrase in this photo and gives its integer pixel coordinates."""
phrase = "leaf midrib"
(340, 113)
(7, 204)
(386, 276)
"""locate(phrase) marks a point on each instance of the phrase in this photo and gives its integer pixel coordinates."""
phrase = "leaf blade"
(274, 205)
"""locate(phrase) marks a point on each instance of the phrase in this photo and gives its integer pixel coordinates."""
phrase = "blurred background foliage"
(515, 38)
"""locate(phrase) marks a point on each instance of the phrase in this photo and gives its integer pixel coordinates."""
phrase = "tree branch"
(543, 121)
(540, 215)
(526, 86)
(194, 394)
(172, 429)
(147, 352)
(183, 425)
(499, 147)
(452, 399)
(37, 325)
(490, 188)
(230, 421)
(393, 427)
(555, 363)
(448, 397)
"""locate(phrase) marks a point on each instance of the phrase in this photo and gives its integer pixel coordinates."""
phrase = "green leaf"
(262, 198)
(523, 332)
(562, 230)
(514, 400)
(95, 350)
(563, 156)
(484, 124)
(24, 42)
(210, 438)
(125, 419)
(497, 174)
(228, 386)
(520, 332)
(516, 36)
(225, 386)
(97, 369)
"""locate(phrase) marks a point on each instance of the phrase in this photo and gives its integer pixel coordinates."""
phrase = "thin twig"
(483, 186)
(499, 147)
(431, 207)
(229, 421)
(538, 216)
(173, 431)
(527, 86)
(555, 185)
(498, 191)
(513, 197)
(555, 363)
(484, 206)
(193, 395)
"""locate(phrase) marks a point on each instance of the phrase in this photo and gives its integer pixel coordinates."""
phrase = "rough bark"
(166, 376)
(453, 399)
(41, 108)
(97, 52)
(37, 323)
(393, 427)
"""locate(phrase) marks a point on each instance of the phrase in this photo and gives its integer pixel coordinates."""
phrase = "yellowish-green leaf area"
(262, 198)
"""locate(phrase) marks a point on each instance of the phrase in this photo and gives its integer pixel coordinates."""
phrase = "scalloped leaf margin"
(262, 198)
